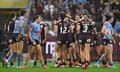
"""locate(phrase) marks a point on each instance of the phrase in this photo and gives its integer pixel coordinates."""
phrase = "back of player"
(85, 39)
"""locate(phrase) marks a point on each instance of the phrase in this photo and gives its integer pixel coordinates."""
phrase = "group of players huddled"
(74, 37)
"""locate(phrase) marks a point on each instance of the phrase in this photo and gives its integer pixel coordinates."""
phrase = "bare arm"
(46, 32)
(21, 24)
(103, 31)
(29, 33)
(113, 33)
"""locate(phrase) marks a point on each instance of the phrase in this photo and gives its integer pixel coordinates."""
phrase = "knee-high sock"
(100, 59)
(18, 59)
(11, 56)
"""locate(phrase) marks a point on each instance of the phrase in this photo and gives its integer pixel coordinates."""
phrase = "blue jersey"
(36, 30)
(108, 30)
(17, 25)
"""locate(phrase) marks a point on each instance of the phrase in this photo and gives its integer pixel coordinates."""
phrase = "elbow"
(103, 32)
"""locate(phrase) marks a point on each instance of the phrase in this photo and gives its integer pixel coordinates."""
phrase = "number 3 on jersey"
(63, 30)
(85, 28)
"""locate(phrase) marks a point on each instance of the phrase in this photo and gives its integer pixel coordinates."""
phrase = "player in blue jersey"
(34, 34)
(108, 39)
(18, 37)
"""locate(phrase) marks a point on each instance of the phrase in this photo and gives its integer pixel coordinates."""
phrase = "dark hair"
(36, 17)
(13, 15)
(108, 17)
(23, 12)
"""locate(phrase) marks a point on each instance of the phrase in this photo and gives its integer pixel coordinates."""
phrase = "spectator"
(56, 14)
(93, 11)
(81, 1)
(117, 27)
(61, 5)
(49, 8)
(39, 8)
(73, 7)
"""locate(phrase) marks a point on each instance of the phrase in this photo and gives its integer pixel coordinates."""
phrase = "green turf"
(66, 69)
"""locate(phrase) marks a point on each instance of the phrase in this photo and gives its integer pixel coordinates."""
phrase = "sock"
(111, 64)
(74, 58)
(18, 60)
(80, 62)
(45, 62)
(6, 57)
(25, 64)
(69, 59)
(35, 63)
(42, 64)
(11, 56)
(104, 62)
(58, 59)
(100, 59)
(88, 62)
(83, 63)
(11, 64)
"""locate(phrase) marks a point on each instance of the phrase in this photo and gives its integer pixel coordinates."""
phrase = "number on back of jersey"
(85, 28)
(63, 30)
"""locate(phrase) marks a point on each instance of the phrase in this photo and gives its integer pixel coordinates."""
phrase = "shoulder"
(105, 23)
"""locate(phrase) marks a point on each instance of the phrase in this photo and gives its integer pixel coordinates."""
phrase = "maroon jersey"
(63, 28)
(42, 31)
(10, 26)
(86, 27)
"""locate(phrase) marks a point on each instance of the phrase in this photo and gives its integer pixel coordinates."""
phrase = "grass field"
(66, 69)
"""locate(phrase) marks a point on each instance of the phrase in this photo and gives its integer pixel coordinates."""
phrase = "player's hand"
(43, 42)
(76, 42)
(108, 37)
(34, 43)
(19, 36)
(59, 42)
(114, 41)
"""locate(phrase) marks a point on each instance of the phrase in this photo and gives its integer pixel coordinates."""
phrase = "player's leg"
(69, 54)
(106, 54)
(58, 54)
(82, 55)
(40, 55)
(19, 52)
(74, 54)
(110, 50)
(35, 58)
(82, 50)
(31, 48)
(87, 52)
(44, 54)
(64, 53)
(12, 51)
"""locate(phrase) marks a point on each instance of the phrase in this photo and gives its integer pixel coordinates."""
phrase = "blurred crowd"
(50, 9)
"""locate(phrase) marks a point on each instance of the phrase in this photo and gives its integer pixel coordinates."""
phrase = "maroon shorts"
(63, 39)
(85, 38)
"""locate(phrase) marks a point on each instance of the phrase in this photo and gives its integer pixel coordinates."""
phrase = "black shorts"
(43, 43)
(85, 38)
(96, 42)
(62, 39)
(15, 37)
(69, 44)
(106, 42)
(36, 42)
(70, 40)
(10, 37)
